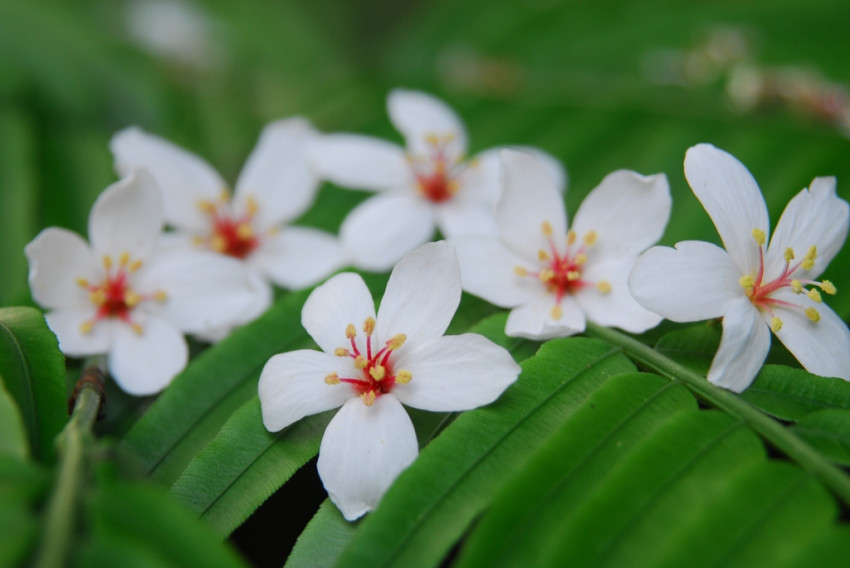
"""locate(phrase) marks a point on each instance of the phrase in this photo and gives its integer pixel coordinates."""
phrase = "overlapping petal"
(344, 299)
(616, 307)
(145, 363)
(298, 257)
(457, 218)
(419, 116)
(487, 270)
(67, 323)
(533, 319)
(360, 162)
(743, 347)
(57, 259)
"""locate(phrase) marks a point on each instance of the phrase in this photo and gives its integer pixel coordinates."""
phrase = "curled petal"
(422, 294)
(67, 325)
(487, 269)
(743, 347)
(57, 259)
(615, 307)
(127, 217)
(184, 178)
(344, 299)
(292, 386)
(455, 372)
(360, 162)
(277, 176)
(533, 320)
(419, 116)
(731, 198)
(692, 282)
(298, 257)
(362, 452)
(145, 363)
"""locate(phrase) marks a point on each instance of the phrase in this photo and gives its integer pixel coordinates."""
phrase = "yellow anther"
(332, 379)
(124, 258)
(207, 207)
(796, 286)
(360, 362)
(224, 195)
(808, 264)
(368, 398)
(603, 286)
(131, 298)
(98, 297)
(350, 331)
(571, 237)
(272, 231)
(809, 260)
(137, 328)
(590, 237)
(542, 255)
(747, 281)
(520, 271)
(449, 137)
(369, 325)
(86, 327)
(341, 352)
(789, 254)
(546, 227)
(403, 376)
(218, 243)
(452, 186)
(378, 372)
(432, 139)
(107, 261)
(828, 287)
(812, 314)
(580, 258)
(82, 283)
(814, 295)
(160, 296)
(135, 265)
(775, 324)
(396, 341)
(759, 236)
(251, 206)
(556, 312)
(546, 275)
(244, 231)
(573, 275)
(812, 252)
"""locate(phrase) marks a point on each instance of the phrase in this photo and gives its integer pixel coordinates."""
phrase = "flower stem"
(71, 446)
(774, 432)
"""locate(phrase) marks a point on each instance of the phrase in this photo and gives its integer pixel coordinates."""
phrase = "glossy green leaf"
(323, 539)
(693, 346)
(828, 431)
(13, 436)
(432, 503)
(190, 412)
(791, 394)
(33, 370)
(244, 465)
(493, 328)
(22, 481)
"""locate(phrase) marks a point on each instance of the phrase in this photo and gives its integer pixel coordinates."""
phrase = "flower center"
(230, 235)
(373, 371)
(561, 273)
(114, 297)
(436, 173)
(760, 291)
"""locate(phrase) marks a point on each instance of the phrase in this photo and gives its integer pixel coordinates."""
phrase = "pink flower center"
(230, 235)
(436, 172)
(373, 370)
(114, 297)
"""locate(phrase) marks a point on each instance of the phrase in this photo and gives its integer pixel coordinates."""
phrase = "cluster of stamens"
(375, 369)
(562, 273)
(230, 235)
(436, 172)
(114, 297)
(759, 292)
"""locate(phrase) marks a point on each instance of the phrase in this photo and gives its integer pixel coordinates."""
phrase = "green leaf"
(323, 539)
(33, 370)
(432, 503)
(22, 486)
(493, 328)
(13, 436)
(19, 529)
(693, 346)
(828, 431)
(244, 465)
(190, 412)
(791, 394)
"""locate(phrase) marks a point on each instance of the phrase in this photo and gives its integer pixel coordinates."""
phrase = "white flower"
(753, 287)
(125, 296)
(427, 184)
(554, 278)
(372, 364)
(275, 187)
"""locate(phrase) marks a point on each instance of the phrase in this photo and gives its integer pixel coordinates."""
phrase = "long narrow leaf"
(323, 540)
(790, 394)
(827, 430)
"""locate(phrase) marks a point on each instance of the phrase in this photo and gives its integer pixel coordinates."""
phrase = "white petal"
(731, 198)
(183, 178)
(692, 282)
(743, 347)
(277, 175)
(530, 197)
(344, 299)
(382, 229)
(533, 320)
(363, 450)
(822, 347)
(127, 217)
(627, 211)
(456, 218)
(360, 162)
(487, 270)
(422, 294)
(65, 323)
(57, 258)
(298, 257)
(419, 116)
(204, 291)
(144, 364)
(814, 217)
(617, 307)
(262, 294)
(455, 372)
(292, 386)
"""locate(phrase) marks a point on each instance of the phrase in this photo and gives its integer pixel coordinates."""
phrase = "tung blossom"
(429, 183)
(553, 277)
(126, 296)
(754, 286)
(370, 364)
(275, 187)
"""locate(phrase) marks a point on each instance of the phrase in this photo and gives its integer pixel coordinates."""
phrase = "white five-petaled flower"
(125, 295)
(755, 287)
(429, 183)
(554, 278)
(275, 187)
(372, 364)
